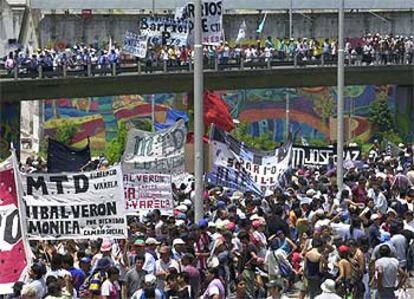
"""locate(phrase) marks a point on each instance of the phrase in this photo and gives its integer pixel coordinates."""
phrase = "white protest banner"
(158, 152)
(135, 44)
(165, 31)
(75, 205)
(239, 167)
(211, 22)
(145, 192)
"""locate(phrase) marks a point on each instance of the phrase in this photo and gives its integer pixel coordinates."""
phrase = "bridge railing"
(165, 66)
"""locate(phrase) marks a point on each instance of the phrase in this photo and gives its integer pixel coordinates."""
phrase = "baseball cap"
(343, 249)
(375, 217)
(150, 279)
(151, 241)
(203, 223)
(106, 246)
(139, 242)
(86, 260)
(178, 242)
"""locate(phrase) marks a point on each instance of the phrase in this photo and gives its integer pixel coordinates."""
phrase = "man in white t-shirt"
(164, 266)
(388, 271)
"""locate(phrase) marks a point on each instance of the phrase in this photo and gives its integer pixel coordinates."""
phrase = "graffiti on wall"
(311, 110)
(98, 117)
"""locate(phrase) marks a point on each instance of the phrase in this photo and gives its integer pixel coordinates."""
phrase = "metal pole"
(153, 7)
(198, 113)
(287, 115)
(340, 91)
(291, 19)
(153, 112)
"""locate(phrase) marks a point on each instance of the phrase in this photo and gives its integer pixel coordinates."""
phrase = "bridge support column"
(9, 128)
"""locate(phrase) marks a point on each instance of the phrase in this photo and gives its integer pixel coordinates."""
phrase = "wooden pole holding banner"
(198, 113)
(21, 207)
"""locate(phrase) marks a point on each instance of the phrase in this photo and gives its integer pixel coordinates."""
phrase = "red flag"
(216, 111)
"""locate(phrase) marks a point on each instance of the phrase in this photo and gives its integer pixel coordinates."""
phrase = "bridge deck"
(133, 83)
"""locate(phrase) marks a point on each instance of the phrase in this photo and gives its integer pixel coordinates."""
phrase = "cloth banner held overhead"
(75, 205)
(145, 192)
(12, 250)
(236, 165)
(318, 156)
(165, 31)
(160, 152)
(135, 44)
(211, 22)
(242, 32)
(62, 157)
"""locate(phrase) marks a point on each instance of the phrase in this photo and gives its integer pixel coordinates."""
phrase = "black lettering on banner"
(165, 36)
(190, 10)
(85, 185)
(58, 180)
(40, 183)
(12, 230)
(144, 23)
(204, 25)
(56, 228)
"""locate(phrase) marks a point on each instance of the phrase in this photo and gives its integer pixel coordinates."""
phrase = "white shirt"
(328, 296)
(161, 266)
(108, 287)
(149, 263)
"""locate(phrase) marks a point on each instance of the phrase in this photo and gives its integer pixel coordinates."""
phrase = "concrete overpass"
(12, 90)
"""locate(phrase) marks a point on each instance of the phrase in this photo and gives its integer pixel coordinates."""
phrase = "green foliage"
(263, 142)
(317, 142)
(380, 116)
(65, 131)
(116, 147)
(390, 136)
(365, 147)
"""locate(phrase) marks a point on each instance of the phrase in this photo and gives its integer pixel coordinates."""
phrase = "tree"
(263, 142)
(380, 116)
(65, 132)
(115, 149)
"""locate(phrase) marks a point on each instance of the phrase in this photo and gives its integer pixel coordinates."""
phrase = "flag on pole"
(261, 25)
(242, 32)
(110, 43)
(216, 111)
(65, 158)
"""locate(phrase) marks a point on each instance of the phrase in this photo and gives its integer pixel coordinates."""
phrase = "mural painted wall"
(312, 110)
(98, 117)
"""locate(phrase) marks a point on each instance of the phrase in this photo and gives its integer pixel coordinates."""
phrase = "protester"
(304, 238)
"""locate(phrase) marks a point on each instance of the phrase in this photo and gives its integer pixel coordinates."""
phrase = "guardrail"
(164, 66)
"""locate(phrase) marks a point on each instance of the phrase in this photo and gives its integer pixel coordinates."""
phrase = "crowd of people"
(306, 240)
(370, 49)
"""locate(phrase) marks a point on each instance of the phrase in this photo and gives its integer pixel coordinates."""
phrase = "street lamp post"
(198, 113)
(291, 19)
(340, 95)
